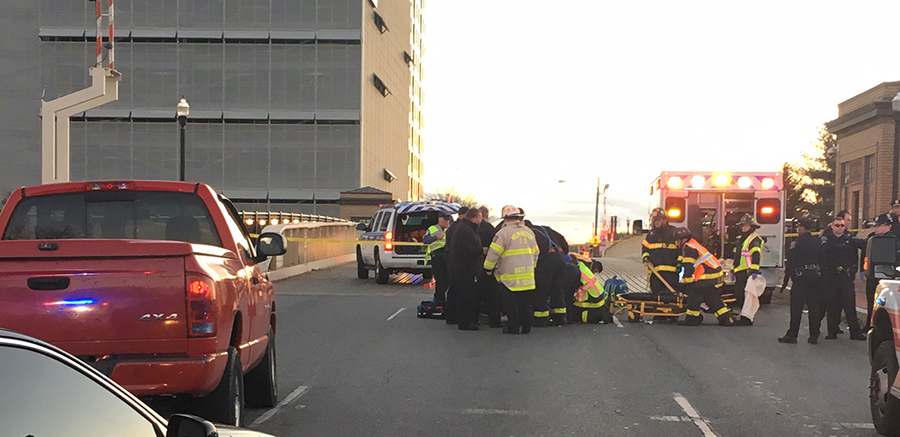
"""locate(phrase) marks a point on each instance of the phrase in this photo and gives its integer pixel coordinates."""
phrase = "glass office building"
(292, 101)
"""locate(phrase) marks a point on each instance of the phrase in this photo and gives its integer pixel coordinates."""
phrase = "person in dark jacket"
(882, 227)
(661, 251)
(840, 265)
(895, 217)
(488, 291)
(450, 308)
(465, 262)
(803, 268)
(549, 276)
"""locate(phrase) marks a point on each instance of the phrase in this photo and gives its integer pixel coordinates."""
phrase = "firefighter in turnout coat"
(703, 277)
(512, 257)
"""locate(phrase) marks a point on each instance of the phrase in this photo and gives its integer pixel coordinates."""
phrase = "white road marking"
(395, 314)
(497, 412)
(618, 323)
(300, 391)
(671, 418)
(858, 425)
(694, 415)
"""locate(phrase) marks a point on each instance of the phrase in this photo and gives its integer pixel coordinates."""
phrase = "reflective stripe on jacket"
(751, 250)
(660, 249)
(513, 254)
(699, 264)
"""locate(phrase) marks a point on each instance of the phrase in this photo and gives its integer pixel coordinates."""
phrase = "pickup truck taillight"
(201, 311)
(388, 238)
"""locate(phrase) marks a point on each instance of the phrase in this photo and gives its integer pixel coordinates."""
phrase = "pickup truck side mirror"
(881, 253)
(271, 244)
(362, 227)
(185, 425)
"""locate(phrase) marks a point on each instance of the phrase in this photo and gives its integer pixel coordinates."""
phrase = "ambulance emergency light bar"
(722, 181)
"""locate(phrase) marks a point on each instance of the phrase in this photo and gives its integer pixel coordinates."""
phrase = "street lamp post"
(895, 105)
(181, 113)
(597, 207)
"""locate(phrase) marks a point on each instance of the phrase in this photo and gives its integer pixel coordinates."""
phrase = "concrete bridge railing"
(310, 246)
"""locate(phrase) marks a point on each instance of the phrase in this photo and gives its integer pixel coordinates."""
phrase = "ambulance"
(710, 204)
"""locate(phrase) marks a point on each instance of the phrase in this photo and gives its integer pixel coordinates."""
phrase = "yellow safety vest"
(591, 293)
(436, 244)
(747, 254)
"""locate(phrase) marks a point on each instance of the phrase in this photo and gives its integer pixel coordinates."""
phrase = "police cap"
(806, 222)
(884, 219)
(896, 202)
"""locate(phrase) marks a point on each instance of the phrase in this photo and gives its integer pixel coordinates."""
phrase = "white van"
(402, 222)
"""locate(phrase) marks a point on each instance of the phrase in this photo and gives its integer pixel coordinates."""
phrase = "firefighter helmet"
(511, 211)
(682, 233)
(747, 219)
(657, 213)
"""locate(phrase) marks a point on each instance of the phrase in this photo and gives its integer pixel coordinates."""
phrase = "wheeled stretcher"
(639, 304)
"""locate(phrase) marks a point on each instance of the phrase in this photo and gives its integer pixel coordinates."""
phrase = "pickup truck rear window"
(131, 215)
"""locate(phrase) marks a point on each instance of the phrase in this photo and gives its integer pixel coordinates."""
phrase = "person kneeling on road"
(702, 276)
(588, 303)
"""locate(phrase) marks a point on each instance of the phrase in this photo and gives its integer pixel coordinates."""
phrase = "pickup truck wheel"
(381, 274)
(885, 407)
(225, 404)
(261, 383)
(361, 271)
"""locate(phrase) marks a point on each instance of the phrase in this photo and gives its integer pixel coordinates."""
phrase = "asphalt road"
(353, 359)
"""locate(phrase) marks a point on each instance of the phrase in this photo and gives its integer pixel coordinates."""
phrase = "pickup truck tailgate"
(126, 291)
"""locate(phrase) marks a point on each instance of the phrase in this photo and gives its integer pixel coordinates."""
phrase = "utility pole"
(597, 208)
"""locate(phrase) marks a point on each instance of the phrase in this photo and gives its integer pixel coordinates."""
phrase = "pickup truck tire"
(885, 407)
(261, 383)
(225, 404)
(381, 274)
(361, 271)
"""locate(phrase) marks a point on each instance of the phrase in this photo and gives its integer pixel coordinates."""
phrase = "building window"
(379, 22)
(380, 86)
(845, 173)
(870, 168)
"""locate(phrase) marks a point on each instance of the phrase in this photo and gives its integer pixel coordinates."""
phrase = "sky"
(520, 95)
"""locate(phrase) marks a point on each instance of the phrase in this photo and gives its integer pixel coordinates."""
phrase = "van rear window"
(120, 215)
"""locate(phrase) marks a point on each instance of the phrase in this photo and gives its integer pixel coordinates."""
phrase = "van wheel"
(885, 407)
(225, 404)
(361, 271)
(261, 383)
(381, 274)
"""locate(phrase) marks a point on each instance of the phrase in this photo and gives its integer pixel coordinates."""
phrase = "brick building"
(865, 134)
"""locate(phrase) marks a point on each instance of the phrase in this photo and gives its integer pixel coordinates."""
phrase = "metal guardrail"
(256, 220)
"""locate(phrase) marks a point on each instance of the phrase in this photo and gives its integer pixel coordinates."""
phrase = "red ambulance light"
(768, 211)
(675, 182)
(768, 183)
(698, 181)
(744, 182)
(675, 209)
(722, 181)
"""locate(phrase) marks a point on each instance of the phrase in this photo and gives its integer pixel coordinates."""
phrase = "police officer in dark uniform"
(895, 217)
(803, 268)
(840, 265)
(883, 225)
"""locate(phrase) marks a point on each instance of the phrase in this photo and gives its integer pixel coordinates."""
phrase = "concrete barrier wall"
(304, 256)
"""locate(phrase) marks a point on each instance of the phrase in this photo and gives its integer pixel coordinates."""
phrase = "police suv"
(392, 241)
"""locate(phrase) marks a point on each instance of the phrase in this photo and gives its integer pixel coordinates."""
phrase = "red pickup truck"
(156, 284)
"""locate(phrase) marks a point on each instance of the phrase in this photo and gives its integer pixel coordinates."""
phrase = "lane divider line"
(395, 314)
(300, 391)
(701, 423)
(494, 412)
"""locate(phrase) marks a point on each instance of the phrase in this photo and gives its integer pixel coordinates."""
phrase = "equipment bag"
(615, 286)
(430, 309)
